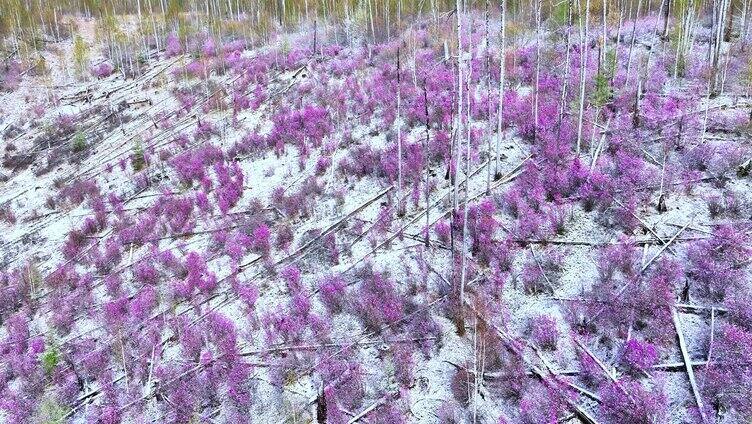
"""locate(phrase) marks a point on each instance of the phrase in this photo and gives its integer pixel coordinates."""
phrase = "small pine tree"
(50, 358)
(138, 160)
(51, 412)
(79, 142)
(80, 54)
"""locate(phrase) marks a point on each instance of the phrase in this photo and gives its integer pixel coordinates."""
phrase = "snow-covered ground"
(116, 359)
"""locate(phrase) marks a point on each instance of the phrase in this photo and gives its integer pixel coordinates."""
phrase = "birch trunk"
(502, 75)
(488, 101)
(567, 65)
(460, 98)
(537, 65)
(632, 41)
(583, 65)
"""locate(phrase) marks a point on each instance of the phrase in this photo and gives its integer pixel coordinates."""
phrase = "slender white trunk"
(604, 41)
(460, 100)
(632, 41)
(567, 65)
(745, 11)
(617, 44)
(583, 67)
(400, 205)
(666, 16)
(154, 26)
(427, 165)
(486, 51)
(537, 65)
(720, 22)
(502, 75)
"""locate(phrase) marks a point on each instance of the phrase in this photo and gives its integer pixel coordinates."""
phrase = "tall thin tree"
(502, 76)
(460, 100)
(400, 203)
(584, 48)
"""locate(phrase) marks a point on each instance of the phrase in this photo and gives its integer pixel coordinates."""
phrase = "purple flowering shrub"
(230, 185)
(630, 401)
(103, 70)
(728, 377)
(10, 76)
(173, 45)
(377, 301)
(643, 302)
(333, 292)
(638, 356)
(191, 166)
(543, 403)
(234, 263)
(717, 265)
(541, 271)
(543, 331)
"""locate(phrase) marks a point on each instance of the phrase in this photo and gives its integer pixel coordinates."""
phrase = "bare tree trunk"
(400, 203)
(502, 76)
(604, 42)
(373, 28)
(636, 113)
(400, 206)
(725, 72)
(632, 41)
(583, 65)
(488, 101)
(426, 164)
(567, 65)
(154, 26)
(460, 100)
(685, 41)
(614, 63)
(720, 16)
(744, 24)
(537, 66)
(729, 24)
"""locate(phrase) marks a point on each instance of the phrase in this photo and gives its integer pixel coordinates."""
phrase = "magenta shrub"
(728, 378)
(377, 301)
(208, 251)
(103, 70)
(543, 332)
(718, 264)
(638, 405)
(260, 243)
(173, 45)
(638, 356)
(332, 292)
